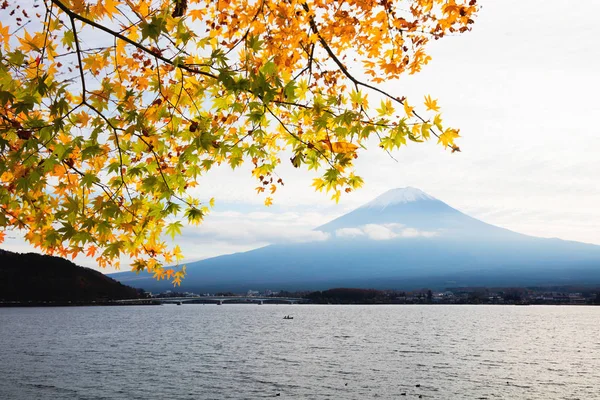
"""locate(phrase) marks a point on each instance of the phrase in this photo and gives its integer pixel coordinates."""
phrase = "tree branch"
(338, 62)
(74, 15)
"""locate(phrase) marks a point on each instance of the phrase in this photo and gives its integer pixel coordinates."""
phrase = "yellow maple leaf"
(78, 6)
(431, 104)
(196, 14)
(318, 184)
(110, 7)
(437, 121)
(343, 147)
(336, 196)
(4, 35)
(82, 118)
(35, 42)
(268, 202)
(408, 109)
(178, 255)
(447, 138)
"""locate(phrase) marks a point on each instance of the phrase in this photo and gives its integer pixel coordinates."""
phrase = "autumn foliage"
(112, 111)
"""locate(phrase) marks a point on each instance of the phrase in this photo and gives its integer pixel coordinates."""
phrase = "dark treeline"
(468, 295)
(40, 278)
(352, 296)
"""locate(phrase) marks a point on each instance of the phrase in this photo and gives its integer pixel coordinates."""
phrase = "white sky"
(522, 87)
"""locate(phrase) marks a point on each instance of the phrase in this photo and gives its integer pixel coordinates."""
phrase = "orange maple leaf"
(91, 251)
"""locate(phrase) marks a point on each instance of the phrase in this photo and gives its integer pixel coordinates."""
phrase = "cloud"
(383, 232)
(226, 214)
(257, 228)
(411, 232)
(349, 232)
(379, 232)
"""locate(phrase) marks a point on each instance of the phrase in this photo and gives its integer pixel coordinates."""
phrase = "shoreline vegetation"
(561, 296)
(140, 302)
(552, 295)
(145, 302)
(466, 295)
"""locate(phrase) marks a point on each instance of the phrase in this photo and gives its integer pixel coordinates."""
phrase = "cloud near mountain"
(383, 232)
(249, 231)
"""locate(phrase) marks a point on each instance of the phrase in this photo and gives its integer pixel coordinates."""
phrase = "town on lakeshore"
(566, 295)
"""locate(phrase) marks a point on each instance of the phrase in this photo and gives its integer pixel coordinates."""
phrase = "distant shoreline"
(152, 302)
(143, 302)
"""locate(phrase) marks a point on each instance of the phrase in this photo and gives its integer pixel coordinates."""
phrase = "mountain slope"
(415, 209)
(36, 277)
(404, 237)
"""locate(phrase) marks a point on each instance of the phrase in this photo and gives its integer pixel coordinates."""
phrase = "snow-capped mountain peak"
(398, 196)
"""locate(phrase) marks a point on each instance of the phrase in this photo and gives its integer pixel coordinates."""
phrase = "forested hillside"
(36, 277)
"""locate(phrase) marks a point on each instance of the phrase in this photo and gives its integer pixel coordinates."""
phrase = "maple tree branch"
(308, 64)
(109, 193)
(74, 15)
(346, 72)
(47, 18)
(160, 170)
(94, 50)
(79, 61)
(243, 38)
(10, 214)
(292, 134)
(116, 136)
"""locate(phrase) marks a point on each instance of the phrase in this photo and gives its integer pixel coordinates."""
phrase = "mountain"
(414, 209)
(35, 277)
(403, 239)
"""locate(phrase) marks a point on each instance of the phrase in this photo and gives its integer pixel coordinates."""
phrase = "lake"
(325, 352)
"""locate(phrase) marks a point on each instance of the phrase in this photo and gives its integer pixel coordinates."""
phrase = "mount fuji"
(403, 239)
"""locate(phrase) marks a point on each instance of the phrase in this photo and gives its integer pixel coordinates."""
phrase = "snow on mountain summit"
(398, 196)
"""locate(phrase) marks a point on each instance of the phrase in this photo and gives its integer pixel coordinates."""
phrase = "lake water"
(325, 352)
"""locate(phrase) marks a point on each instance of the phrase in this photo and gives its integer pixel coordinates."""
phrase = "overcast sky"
(523, 89)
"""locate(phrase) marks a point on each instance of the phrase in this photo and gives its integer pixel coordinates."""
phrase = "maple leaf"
(431, 104)
(91, 251)
(174, 229)
(110, 7)
(4, 35)
(447, 138)
(197, 14)
(78, 6)
(437, 121)
(408, 109)
(35, 42)
(336, 196)
(343, 147)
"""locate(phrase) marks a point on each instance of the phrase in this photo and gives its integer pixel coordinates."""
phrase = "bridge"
(219, 300)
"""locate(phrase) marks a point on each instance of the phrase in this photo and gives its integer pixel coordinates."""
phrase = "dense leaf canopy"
(111, 111)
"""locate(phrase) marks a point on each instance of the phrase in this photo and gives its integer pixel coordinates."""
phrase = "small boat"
(288, 317)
